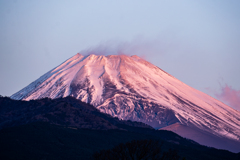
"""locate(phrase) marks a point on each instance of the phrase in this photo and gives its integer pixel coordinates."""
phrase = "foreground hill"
(41, 140)
(62, 111)
(66, 128)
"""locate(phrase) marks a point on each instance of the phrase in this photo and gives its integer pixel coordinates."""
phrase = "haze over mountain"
(131, 88)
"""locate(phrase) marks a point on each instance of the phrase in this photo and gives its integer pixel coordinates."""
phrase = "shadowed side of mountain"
(204, 138)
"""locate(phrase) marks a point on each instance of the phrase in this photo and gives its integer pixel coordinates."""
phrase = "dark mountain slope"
(40, 140)
(67, 128)
(204, 138)
(62, 111)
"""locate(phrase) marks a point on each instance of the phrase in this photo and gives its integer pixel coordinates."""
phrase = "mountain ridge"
(131, 88)
(66, 128)
(66, 111)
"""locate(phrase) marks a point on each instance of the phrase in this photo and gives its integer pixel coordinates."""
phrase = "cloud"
(141, 46)
(230, 96)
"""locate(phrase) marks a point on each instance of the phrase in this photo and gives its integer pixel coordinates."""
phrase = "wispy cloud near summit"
(140, 46)
(229, 96)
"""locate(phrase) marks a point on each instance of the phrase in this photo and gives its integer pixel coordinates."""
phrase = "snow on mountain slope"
(132, 88)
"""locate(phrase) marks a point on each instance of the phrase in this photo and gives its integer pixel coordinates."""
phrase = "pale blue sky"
(197, 41)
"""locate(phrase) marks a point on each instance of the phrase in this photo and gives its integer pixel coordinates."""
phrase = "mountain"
(131, 88)
(66, 111)
(66, 128)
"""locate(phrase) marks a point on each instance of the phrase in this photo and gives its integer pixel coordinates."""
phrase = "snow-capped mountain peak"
(129, 87)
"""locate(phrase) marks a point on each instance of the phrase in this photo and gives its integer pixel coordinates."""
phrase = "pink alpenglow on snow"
(230, 96)
(130, 88)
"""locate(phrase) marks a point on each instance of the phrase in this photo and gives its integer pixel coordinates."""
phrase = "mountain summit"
(131, 88)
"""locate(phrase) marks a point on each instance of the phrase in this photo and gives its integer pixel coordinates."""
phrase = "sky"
(196, 41)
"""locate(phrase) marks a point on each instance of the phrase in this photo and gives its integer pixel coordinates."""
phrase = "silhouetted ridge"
(66, 111)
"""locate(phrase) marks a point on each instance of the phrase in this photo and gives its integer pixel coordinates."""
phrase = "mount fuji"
(130, 88)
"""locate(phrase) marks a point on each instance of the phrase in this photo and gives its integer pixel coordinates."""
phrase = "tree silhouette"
(137, 150)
